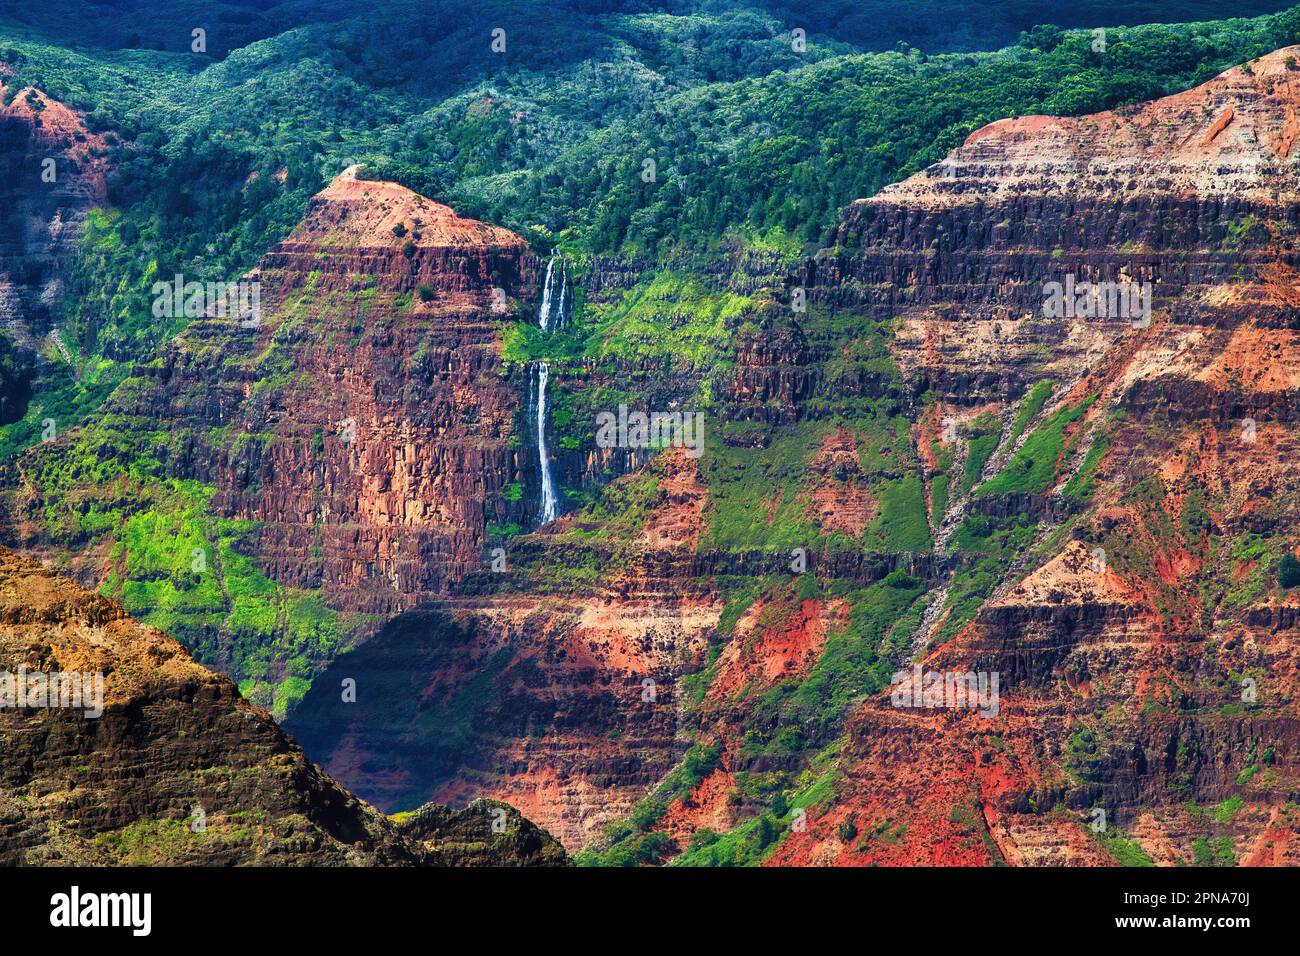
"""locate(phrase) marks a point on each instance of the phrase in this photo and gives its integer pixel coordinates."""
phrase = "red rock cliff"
(364, 422)
(53, 170)
(1146, 652)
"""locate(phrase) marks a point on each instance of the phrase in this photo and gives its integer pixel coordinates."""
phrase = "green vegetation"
(990, 545)
(1218, 851)
(1029, 409)
(1034, 466)
(175, 565)
(1083, 754)
(1288, 571)
(755, 493)
(1227, 811)
(1252, 558)
(632, 842)
(1081, 485)
(984, 436)
(762, 479)
(667, 142)
(748, 135)
(698, 763)
(172, 842)
(900, 524)
(1125, 851)
(939, 481)
(857, 660)
(746, 845)
(667, 317)
(753, 841)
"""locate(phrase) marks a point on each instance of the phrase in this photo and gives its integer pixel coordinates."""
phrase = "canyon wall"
(913, 465)
(53, 170)
(361, 417)
(1145, 652)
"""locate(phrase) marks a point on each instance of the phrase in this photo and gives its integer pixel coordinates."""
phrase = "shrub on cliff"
(1288, 571)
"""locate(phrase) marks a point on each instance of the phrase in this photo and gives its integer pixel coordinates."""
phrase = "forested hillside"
(215, 160)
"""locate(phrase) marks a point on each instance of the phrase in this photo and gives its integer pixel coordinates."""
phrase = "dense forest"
(753, 133)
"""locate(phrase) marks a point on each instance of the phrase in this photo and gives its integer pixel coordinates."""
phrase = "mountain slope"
(1147, 659)
(1075, 442)
(55, 172)
(905, 459)
(179, 769)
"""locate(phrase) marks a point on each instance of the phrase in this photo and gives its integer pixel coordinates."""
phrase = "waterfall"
(550, 510)
(545, 318)
(564, 287)
(544, 313)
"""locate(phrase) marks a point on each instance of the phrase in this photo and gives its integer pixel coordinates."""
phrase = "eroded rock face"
(363, 419)
(485, 833)
(563, 708)
(1119, 678)
(53, 170)
(178, 769)
(1189, 193)
(1147, 658)
(390, 448)
(365, 424)
(1121, 629)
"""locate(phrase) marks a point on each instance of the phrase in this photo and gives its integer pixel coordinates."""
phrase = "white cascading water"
(544, 313)
(550, 498)
(550, 510)
(564, 287)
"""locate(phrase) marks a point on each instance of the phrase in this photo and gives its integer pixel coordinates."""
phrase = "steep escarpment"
(327, 444)
(367, 424)
(358, 418)
(1187, 193)
(162, 761)
(1130, 501)
(563, 709)
(577, 673)
(1088, 506)
(909, 457)
(559, 698)
(274, 487)
(52, 172)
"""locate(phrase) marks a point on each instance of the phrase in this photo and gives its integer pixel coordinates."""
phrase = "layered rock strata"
(162, 761)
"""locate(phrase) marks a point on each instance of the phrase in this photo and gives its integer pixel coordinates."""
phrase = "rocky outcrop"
(167, 764)
(565, 709)
(361, 418)
(1189, 193)
(1107, 500)
(53, 170)
(486, 833)
(389, 447)
(773, 375)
